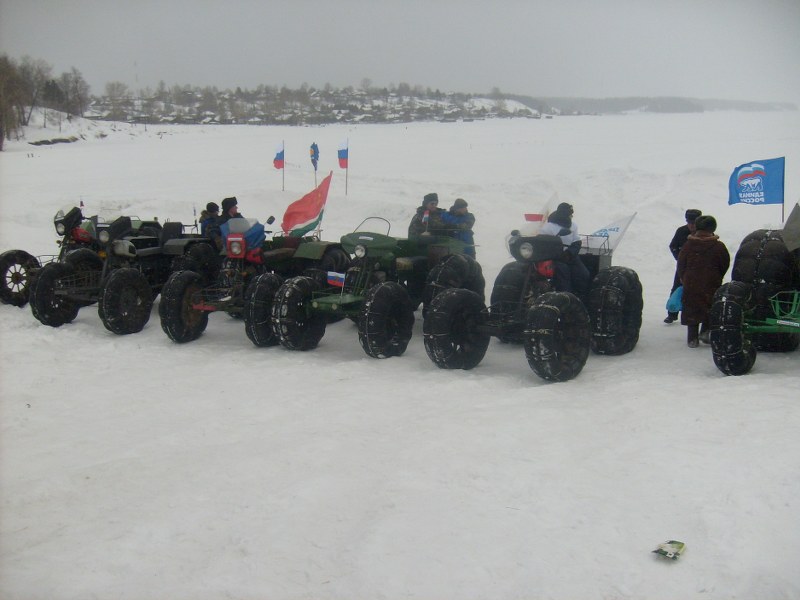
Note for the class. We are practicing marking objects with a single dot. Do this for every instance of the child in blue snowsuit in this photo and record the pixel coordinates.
(458, 222)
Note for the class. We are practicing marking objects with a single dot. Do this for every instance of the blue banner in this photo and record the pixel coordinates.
(757, 182)
(314, 152)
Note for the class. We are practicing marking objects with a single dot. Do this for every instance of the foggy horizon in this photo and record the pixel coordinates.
(710, 50)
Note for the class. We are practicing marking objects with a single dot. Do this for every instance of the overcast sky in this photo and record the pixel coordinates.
(727, 49)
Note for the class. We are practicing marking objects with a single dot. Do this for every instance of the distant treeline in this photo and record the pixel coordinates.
(663, 104)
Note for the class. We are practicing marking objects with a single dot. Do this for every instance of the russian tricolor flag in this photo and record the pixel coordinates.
(343, 154)
(278, 160)
(335, 279)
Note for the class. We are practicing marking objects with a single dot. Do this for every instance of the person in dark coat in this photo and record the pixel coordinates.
(428, 218)
(208, 216)
(702, 263)
(230, 210)
(571, 274)
(678, 240)
(459, 222)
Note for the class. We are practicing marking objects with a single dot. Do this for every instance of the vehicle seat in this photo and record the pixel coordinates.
(170, 231)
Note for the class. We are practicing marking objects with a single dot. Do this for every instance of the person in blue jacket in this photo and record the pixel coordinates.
(458, 221)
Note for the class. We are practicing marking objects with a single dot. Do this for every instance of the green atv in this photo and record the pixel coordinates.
(132, 262)
(388, 279)
(759, 309)
(186, 302)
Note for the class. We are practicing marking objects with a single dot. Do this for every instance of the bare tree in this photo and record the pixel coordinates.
(35, 74)
(76, 92)
(118, 96)
(12, 97)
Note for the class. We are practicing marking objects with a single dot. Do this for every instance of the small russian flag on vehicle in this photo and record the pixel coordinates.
(336, 279)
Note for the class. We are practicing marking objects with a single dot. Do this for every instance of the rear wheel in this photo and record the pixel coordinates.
(615, 309)
(205, 260)
(733, 352)
(293, 323)
(557, 338)
(335, 259)
(453, 271)
(386, 320)
(15, 276)
(452, 340)
(258, 309)
(179, 320)
(46, 305)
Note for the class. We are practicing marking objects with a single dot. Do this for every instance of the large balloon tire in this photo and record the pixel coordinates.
(557, 336)
(451, 338)
(335, 259)
(206, 260)
(733, 352)
(615, 310)
(180, 321)
(49, 308)
(764, 262)
(125, 302)
(258, 300)
(386, 320)
(84, 260)
(292, 322)
(15, 276)
(453, 271)
(506, 298)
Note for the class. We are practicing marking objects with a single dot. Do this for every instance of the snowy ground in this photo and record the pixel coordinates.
(133, 467)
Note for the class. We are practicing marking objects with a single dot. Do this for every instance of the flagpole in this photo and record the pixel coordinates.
(347, 170)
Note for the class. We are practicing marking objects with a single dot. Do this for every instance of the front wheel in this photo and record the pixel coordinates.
(615, 309)
(733, 352)
(557, 338)
(386, 320)
(47, 305)
(293, 323)
(451, 337)
(16, 267)
(179, 319)
(258, 301)
(125, 302)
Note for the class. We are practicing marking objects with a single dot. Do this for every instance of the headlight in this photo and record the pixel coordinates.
(526, 250)
(236, 248)
(360, 251)
(60, 229)
(103, 236)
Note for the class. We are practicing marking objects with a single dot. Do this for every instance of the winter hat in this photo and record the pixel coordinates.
(460, 203)
(706, 223)
(692, 214)
(212, 207)
(229, 203)
(432, 197)
(565, 209)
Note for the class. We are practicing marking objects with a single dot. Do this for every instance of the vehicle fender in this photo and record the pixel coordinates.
(314, 250)
(177, 246)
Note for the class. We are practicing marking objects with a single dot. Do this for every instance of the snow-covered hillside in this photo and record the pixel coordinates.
(134, 467)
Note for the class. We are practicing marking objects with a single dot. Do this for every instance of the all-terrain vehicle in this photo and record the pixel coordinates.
(759, 309)
(380, 291)
(186, 303)
(18, 267)
(132, 262)
(557, 328)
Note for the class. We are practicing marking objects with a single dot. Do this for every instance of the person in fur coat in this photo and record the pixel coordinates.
(702, 263)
